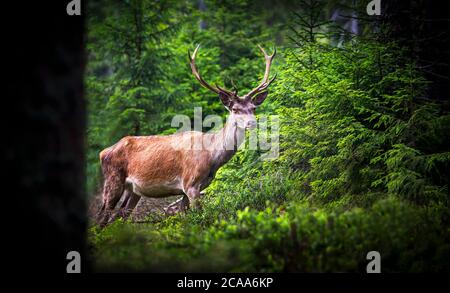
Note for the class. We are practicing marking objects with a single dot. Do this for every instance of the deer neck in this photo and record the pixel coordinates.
(227, 141)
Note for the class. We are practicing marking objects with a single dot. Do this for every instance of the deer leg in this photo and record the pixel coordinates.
(126, 197)
(194, 195)
(112, 191)
(128, 205)
(178, 206)
(132, 203)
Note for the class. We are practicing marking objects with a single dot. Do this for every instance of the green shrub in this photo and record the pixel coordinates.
(295, 239)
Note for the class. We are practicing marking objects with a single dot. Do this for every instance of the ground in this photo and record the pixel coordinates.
(148, 209)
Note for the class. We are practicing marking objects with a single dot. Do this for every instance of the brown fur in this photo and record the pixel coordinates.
(147, 166)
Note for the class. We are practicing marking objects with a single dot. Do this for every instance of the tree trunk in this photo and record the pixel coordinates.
(45, 138)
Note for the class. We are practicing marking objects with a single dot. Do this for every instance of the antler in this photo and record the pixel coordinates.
(265, 82)
(197, 75)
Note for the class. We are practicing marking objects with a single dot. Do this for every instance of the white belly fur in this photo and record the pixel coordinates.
(160, 189)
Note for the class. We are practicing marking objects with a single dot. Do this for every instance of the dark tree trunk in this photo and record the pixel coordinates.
(423, 27)
(45, 125)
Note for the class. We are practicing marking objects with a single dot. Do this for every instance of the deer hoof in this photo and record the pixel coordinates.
(172, 210)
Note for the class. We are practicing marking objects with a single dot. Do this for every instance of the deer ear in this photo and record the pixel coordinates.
(227, 101)
(259, 99)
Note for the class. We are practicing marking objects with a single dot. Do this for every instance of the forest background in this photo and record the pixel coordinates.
(363, 104)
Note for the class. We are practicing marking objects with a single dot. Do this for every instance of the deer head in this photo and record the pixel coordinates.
(241, 108)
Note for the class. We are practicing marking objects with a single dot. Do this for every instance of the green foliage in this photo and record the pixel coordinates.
(296, 239)
(353, 135)
(302, 239)
(364, 156)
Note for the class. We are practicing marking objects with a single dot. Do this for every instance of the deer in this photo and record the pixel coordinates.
(159, 166)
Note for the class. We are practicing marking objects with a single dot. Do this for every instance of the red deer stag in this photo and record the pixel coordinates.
(162, 166)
